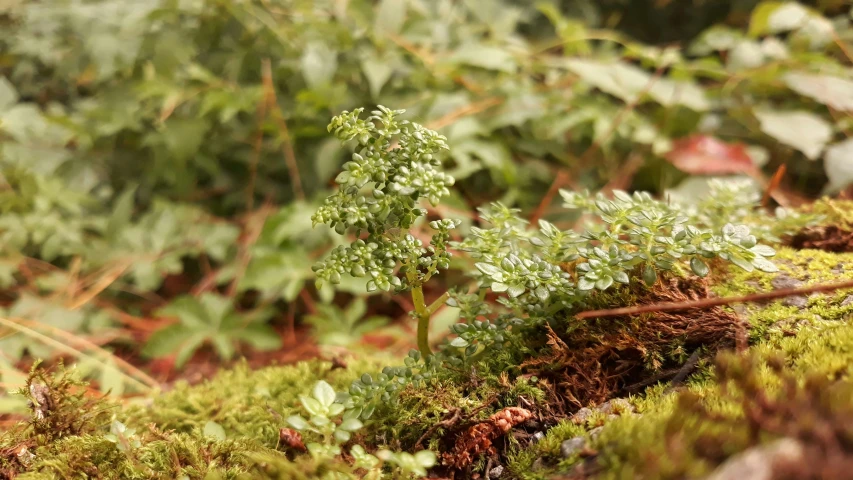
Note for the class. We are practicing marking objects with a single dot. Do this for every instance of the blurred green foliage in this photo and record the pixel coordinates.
(150, 150)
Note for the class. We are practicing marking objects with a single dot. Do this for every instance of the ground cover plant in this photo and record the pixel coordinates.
(175, 203)
(639, 251)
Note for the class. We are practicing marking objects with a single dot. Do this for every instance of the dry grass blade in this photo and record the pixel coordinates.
(132, 374)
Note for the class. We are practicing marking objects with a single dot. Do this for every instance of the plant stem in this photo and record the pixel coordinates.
(423, 315)
(434, 306)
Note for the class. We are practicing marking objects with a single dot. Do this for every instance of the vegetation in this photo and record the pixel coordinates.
(172, 205)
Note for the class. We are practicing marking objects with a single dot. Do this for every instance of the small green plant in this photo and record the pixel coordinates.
(396, 164)
(333, 418)
(541, 272)
(210, 318)
(343, 327)
(323, 407)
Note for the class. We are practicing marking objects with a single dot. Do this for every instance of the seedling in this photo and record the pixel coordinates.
(395, 166)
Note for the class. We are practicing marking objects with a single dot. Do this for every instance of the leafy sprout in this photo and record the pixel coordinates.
(395, 166)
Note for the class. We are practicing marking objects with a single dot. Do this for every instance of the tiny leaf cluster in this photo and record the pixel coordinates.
(333, 417)
(395, 165)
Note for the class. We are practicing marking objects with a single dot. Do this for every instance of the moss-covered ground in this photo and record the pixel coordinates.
(229, 426)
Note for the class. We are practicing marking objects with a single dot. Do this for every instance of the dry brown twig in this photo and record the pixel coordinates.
(713, 302)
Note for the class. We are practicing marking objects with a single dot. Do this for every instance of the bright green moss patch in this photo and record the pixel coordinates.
(247, 404)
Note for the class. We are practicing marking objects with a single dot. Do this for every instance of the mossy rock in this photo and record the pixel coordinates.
(229, 426)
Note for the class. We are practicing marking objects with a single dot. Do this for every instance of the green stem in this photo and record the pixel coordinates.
(434, 306)
(423, 315)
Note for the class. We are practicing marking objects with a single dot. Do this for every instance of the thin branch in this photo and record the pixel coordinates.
(257, 145)
(713, 302)
(254, 227)
(287, 143)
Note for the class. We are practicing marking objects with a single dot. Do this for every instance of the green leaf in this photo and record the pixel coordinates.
(298, 422)
(764, 265)
(627, 82)
(350, 425)
(314, 407)
(484, 56)
(184, 136)
(604, 283)
(188, 348)
(650, 275)
(390, 16)
(516, 290)
(771, 17)
(699, 267)
(426, 458)
(324, 393)
(215, 430)
(319, 64)
(800, 129)
(763, 250)
(8, 95)
(835, 92)
(488, 269)
(586, 284)
(260, 337)
(838, 164)
(741, 262)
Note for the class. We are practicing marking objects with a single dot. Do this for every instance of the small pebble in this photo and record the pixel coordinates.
(496, 472)
(572, 446)
(581, 416)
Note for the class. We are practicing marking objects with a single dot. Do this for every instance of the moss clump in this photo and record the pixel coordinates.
(690, 434)
(246, 403)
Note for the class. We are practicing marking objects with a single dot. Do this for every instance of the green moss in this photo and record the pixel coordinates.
(251, 404)
(637, 446)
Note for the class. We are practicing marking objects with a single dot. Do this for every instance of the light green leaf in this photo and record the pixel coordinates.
(626, 82)
(376, 70)
(324, 393)
(390, 16)
(838, 163)
(459, 342)
(215, 430)
(184, 136)
(799, 129)
(484, 56)
(835, 92)
(426, 458)
(774, 17)
(585, 284)
(604, 283)
(488, 268)
(313, 406)
(499, 287)
(319, 64)
(516, 290)
(764, 265)
(297, 422)
(8, 94)
(350, 425)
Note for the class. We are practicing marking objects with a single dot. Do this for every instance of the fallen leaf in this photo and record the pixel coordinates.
(706, 155)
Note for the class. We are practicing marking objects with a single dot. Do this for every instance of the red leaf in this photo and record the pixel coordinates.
(705, 155)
